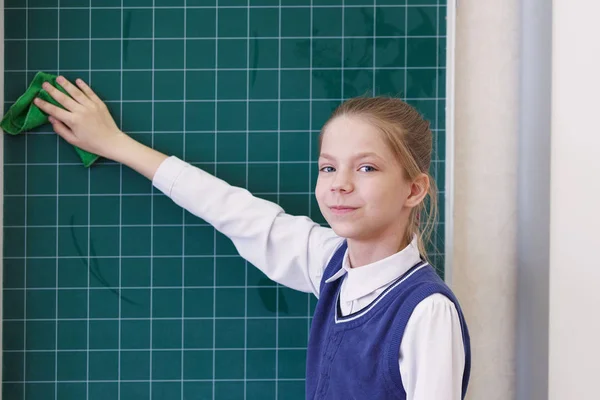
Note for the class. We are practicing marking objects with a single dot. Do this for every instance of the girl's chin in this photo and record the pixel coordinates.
(347, 230)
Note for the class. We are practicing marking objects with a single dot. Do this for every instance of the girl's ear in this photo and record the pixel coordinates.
(418, 190)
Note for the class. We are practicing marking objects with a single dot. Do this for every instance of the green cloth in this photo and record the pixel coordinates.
(23, 115)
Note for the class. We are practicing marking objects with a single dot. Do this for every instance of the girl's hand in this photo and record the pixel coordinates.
(85, 122)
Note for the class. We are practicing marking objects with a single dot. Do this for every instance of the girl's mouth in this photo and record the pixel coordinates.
(341, 210)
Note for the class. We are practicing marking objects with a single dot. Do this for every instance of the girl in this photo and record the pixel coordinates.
(385, 326)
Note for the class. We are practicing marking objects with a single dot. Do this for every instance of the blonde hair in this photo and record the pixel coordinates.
(409, 137)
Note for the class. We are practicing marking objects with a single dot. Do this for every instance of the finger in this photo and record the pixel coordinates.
(59, 96)
(52, 110)
(88, 91)
(73, 90)
(62, 130)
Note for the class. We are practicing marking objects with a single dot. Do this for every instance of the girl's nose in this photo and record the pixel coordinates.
(342, 183)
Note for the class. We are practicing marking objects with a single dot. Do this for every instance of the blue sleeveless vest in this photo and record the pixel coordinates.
(356, 356)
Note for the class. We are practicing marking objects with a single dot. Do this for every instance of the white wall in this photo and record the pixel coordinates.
(575, 202)
(484, 266)
(525, 224)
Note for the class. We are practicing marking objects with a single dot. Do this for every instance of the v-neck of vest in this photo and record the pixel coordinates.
(357, 317)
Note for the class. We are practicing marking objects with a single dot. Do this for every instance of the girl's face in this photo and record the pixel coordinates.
(361, 189)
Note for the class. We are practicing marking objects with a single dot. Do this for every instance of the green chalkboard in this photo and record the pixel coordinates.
(111, 291)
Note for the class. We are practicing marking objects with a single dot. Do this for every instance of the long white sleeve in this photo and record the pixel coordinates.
(432, 356)
(291, 250)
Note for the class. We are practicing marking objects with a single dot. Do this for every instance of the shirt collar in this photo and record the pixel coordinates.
(364, 280)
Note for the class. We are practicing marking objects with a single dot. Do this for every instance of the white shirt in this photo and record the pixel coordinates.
(294, 251)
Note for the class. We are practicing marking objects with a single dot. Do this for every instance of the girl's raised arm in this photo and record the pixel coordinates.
(289, 249)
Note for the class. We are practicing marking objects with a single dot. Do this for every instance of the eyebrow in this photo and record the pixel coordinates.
(358, 156)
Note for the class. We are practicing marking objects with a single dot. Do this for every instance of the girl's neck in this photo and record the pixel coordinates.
(367, 252)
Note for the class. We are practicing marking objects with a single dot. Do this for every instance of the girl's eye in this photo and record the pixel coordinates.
(367, 168)
(327, 169)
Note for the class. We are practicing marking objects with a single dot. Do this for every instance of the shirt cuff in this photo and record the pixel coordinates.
(167, 173)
